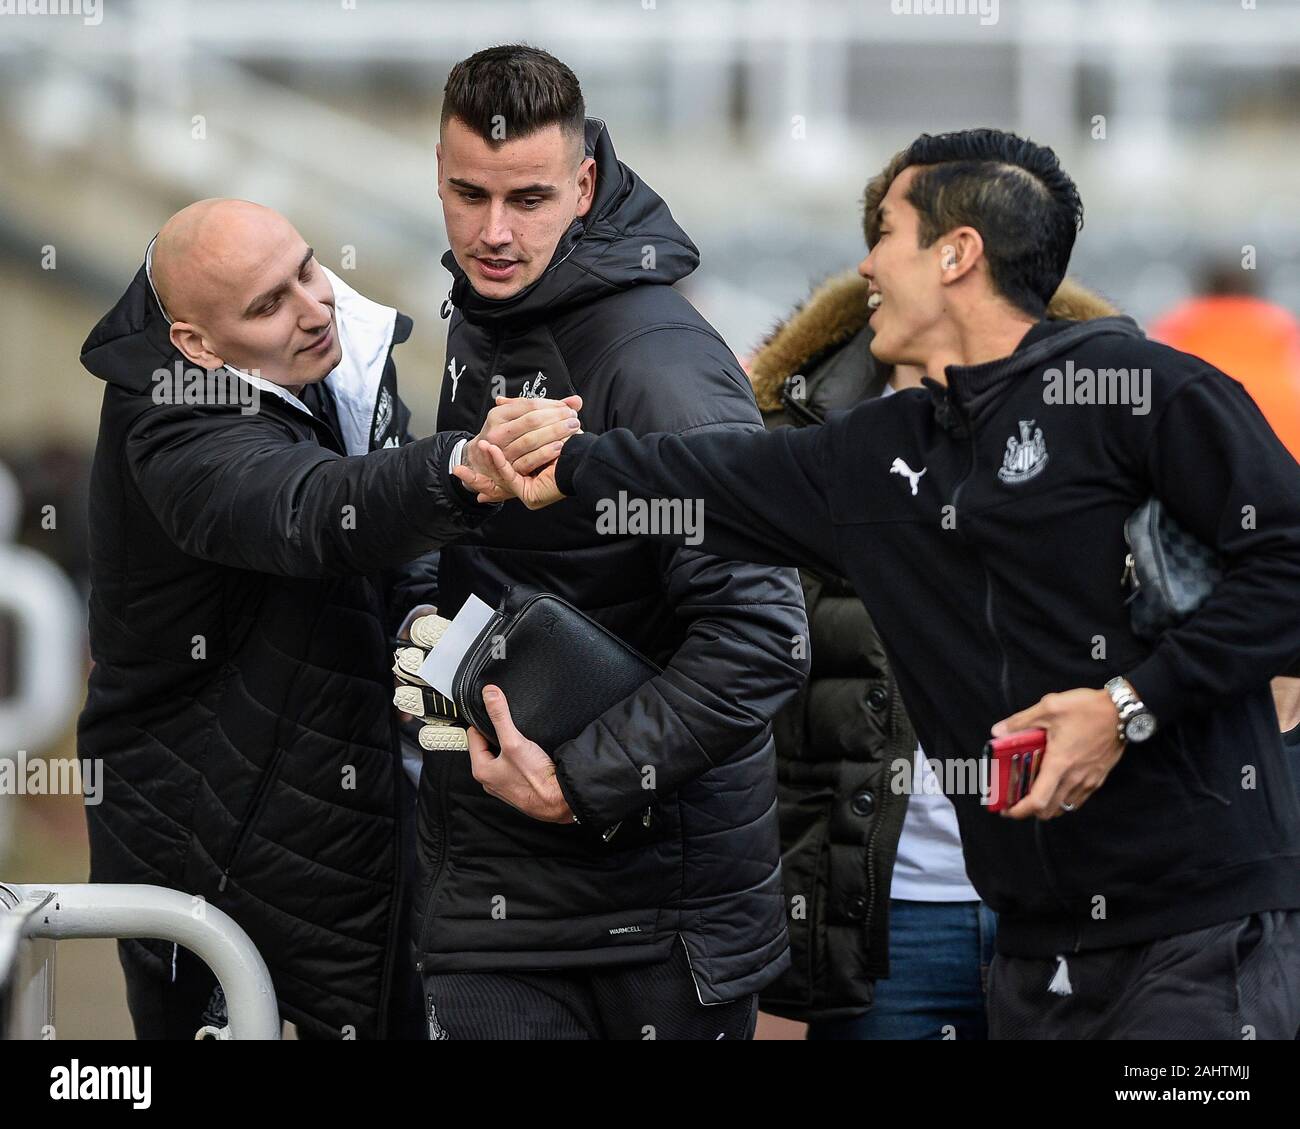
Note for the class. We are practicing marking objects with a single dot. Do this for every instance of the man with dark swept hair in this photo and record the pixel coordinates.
(1026, 208)
(524, 86)
(626, 884)
(1148, 886)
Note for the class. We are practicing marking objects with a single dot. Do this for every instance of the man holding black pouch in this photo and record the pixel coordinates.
(658, 912)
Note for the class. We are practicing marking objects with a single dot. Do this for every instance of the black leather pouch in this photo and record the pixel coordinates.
(559, 669)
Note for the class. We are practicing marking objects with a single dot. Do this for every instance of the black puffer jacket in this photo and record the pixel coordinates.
(687, 763)
(841, 743)
(241, 695)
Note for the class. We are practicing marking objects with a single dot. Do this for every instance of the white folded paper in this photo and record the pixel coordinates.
(439, 668)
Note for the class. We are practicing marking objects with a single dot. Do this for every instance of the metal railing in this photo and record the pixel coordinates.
(32, 914)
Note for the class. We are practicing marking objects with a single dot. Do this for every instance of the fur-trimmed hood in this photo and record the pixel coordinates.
(837, 310)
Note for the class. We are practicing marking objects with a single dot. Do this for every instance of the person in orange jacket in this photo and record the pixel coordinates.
(1253, 341)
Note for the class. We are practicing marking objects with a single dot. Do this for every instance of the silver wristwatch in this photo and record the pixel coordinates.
(1136, 722)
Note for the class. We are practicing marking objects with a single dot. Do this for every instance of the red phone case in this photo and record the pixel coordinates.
(1016, 760)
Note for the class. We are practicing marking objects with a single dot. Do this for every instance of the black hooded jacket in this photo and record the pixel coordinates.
(845, 745)
(992, 570)
(686, 765)
(241, 695)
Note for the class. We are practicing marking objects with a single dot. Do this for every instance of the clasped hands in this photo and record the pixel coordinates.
(514, 455)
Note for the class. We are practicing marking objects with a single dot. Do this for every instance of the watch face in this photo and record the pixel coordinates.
(1140, 726)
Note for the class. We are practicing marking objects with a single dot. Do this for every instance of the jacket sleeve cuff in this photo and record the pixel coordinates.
(455, 489)
(595, 784)
(1159, 688)
(457, 450)
(581, 812)
(570, 459)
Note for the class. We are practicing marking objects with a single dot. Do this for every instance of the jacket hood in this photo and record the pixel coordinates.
(131, 342)
(1045, 340)
(837, 310)
(603, 252)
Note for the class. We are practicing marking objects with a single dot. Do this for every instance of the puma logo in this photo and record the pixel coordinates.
(913, 476)
(455, 376)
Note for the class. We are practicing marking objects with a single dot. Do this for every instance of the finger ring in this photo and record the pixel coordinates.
(1066, 805)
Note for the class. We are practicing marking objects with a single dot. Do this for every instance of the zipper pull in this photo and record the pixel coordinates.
(1129, 575)
(645, 817)
(610, 832)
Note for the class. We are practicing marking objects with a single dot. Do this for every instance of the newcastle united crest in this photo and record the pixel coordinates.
(1025, 457)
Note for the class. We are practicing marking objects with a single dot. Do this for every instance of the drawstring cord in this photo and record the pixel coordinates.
(1060, 984)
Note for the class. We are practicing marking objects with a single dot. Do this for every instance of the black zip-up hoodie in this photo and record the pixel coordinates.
(995, 578)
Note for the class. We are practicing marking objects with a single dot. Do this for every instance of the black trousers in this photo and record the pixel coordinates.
(1236, 980)
(171, 993)
(647, 1001)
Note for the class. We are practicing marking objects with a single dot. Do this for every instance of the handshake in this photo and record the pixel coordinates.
(514, 455)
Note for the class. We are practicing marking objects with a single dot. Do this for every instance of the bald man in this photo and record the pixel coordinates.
(255, 501)
(224, 274)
